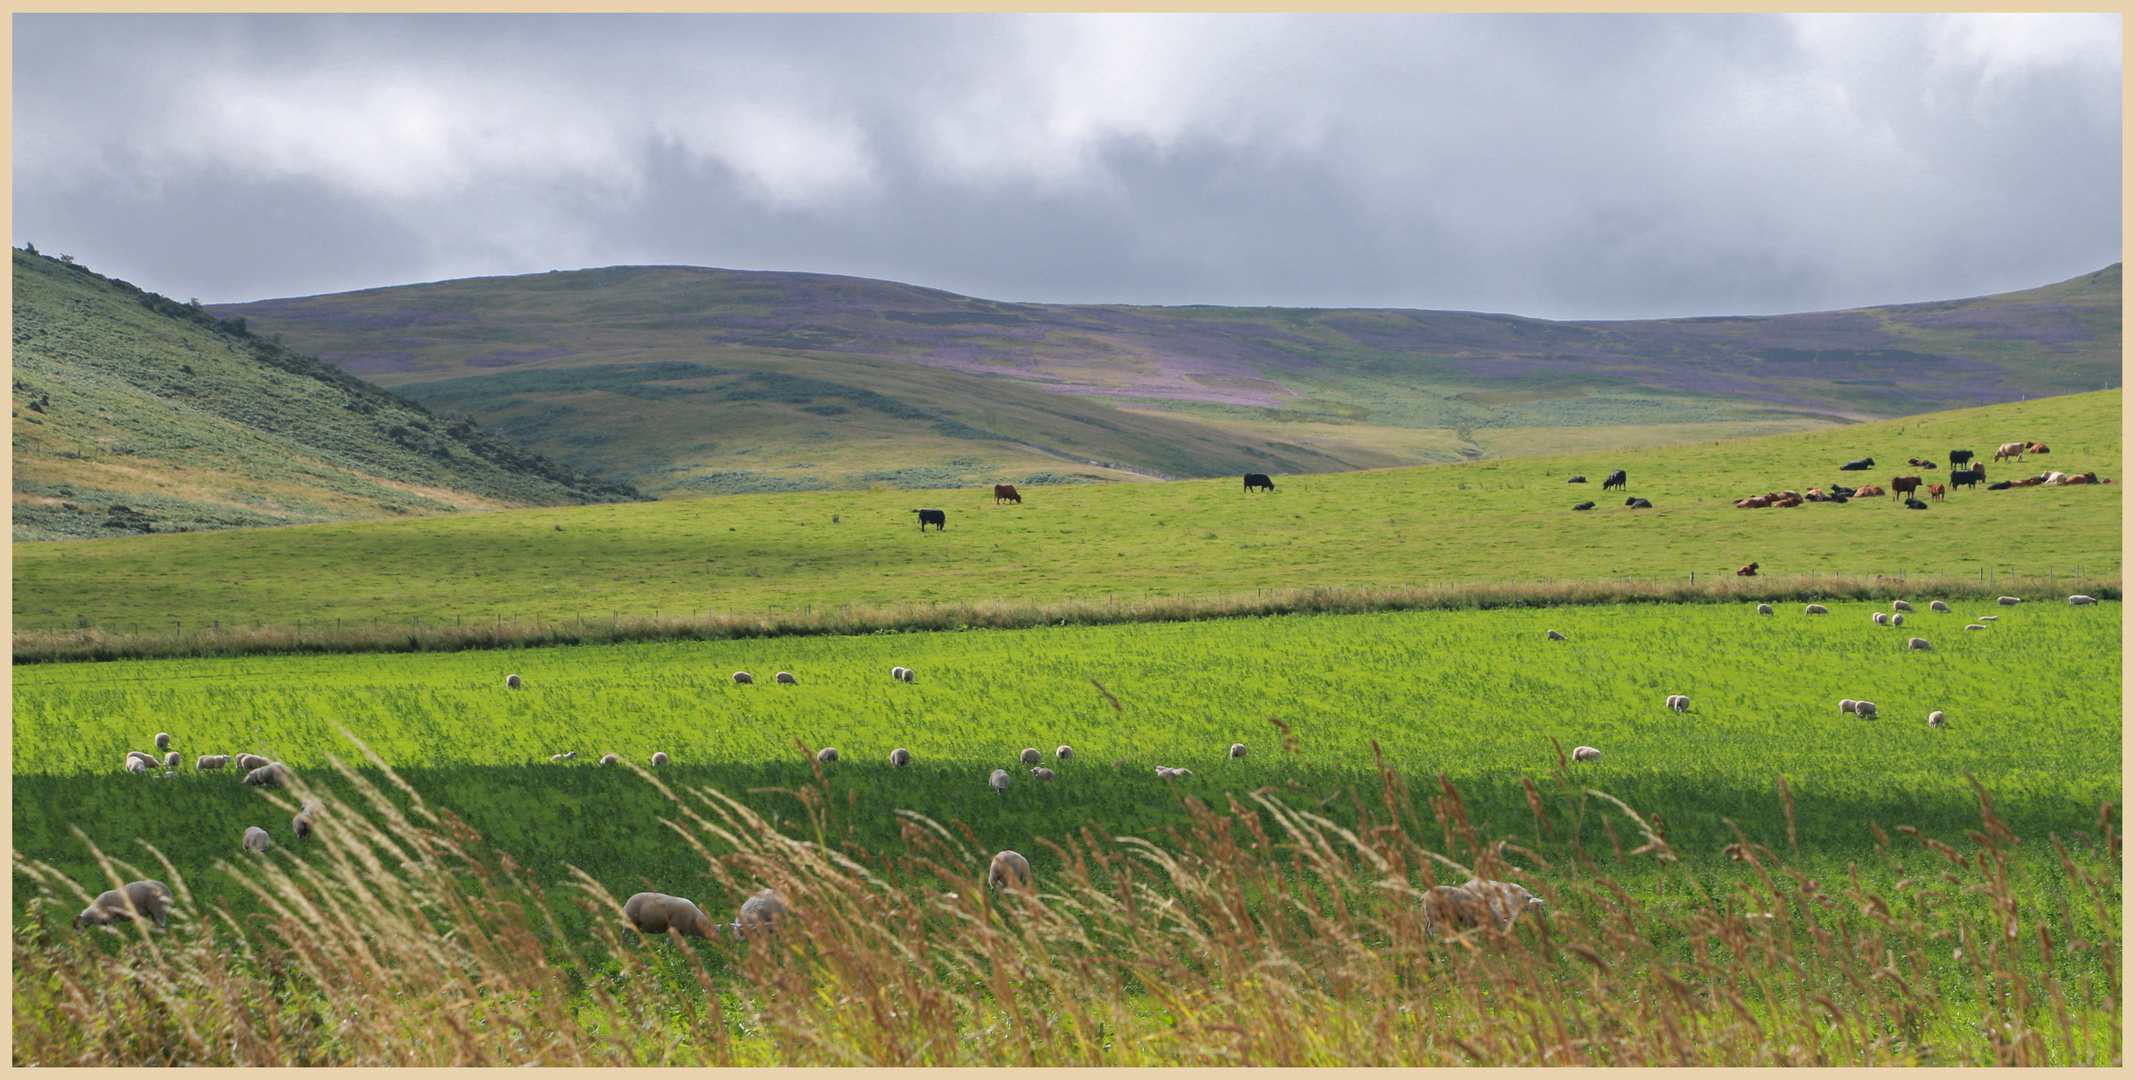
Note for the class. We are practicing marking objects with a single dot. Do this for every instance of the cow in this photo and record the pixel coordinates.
(1638, 504)
(1616, 479)
(1862, 465)
(1914, 504)
(1576, 480)
(1842, 492)
(1903, 485)
(1754, 502)
(1584, 506)
(935, 518)
(1747, 571)
(1934, 493)
(2039, 448)
(1255, 480)
(1967, 477)
(2003, 486)
(2011, 450)
(1008, 492)
(1788, 501)
(1959, 457)
(1869, 492)
(1921, 463)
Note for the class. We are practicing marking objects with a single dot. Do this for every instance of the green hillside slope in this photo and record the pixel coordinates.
(134, 413)
(1484, 521)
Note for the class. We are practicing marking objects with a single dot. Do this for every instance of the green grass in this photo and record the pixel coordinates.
(1504, 521)
(1477, 696)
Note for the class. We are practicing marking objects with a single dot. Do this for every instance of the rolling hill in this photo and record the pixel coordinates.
(684, 380)
(134, 413)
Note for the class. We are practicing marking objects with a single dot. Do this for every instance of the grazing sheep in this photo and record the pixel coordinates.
(897, 673)
(1897, 620)
(1764, 609)
(1064, 752)
(144, 756)
(1679, 702)
(1555, 636)
(900, 757)
(785, 678)
(563, 757)
(1042, 773)
(1008, 870)
(1845, 705)
(302, 823)
(1182, 774)
(1864, 709)
(249, 762)
(211, 761)
(1975, 626)
(743, 678)
(1816, 609)
(256, 840)
(1031, 756)
(1934, 719)
(827, 755)
(1938, 606)
(1450, 907)
(1916, 643)
(1990, 618)
(1505, 900)
(137, 765)
(1237, 749)
(610, 759)
(269, 775)
(659, 758)
(657, 913)
(171, 760)
(1585, 753)
(998, 781)
(1900, 605)
(909, 674)
(150, 898)
(2008, 601)
(760, 913)
(1878, 618)
(2079, 600)
(163, 740)
(511, 682)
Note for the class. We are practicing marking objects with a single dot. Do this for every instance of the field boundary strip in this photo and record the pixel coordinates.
(95, 643)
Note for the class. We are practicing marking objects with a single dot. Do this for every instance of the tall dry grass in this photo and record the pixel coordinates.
(95, 643)
(1264, 933)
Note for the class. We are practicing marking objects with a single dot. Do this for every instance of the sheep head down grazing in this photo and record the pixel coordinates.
(1009, 870)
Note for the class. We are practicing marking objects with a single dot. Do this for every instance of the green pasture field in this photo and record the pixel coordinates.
(1505, 520)
(2034, 710)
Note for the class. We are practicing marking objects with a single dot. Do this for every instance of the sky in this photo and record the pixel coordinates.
(1558, 166)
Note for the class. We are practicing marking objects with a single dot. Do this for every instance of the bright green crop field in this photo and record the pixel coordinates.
(2034, 709)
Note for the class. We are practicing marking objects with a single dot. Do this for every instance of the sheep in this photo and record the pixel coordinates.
(659, 758)
(256, 840)
(1679, 702)
(900, 757)
(163, 740)
(145, 756)
(1934, 719)
(1878, 618)
(1990, 618)
(1938, 606)
(511, 682)
(2008, 601)
(1031, 756)
(785, 678)
(1900, 605)
(760, 913)
(1816, 609)
(137, 766)
(211, 761)
(1975, 626)
(150, 898)
(908, 673)
(1764, 609)
(826, 755)
(1897, 620)
(897, 673)
(563, 757)
(1555, 636)
(2079, 600)
(249, 762)
(1864, 709)
(171, 760)
(657, 913)
(1448, 906)
(1585, 753)
(1182, 774)
(610, 759)
(270, 775)
(1504, 899)
(1237, 750)
(302, 824)
(1916, 643)
(1008, 870)
(743, 678)
(1064, 752)
(1845, 705)
(1042, 773)
(998, 781)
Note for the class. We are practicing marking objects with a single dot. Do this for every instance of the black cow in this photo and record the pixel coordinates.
(1616, 479)
(935, 518)
(1915, 504)
(2003, 486)
(1857, 466)
(1959, 457)
(1840, 499)
(1584, 506)
(1638, 504)
(1258, 480)
(1967, 477)
(1576, 480)
(1845, 492)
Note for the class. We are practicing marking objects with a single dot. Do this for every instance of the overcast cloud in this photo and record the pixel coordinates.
(1558, 166)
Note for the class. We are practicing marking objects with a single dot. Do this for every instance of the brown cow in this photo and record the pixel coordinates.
(1934, 493)
(1920, 464)
(1868, 492)
(2039, 448)
(1754, 502)
(1790, 501)
(1008, 492)
(1903, 485)
(1747, 571)
(2013, 450)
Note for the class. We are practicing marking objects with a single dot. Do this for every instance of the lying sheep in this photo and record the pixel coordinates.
(171, 760)
(998, 781)
(659, 758)
(256, 840)
(657, 913)
(1504, 899)
(1975, 626)
(145, 757)
(610, 759)
(1237, 750)
(1064, 752)
(827, 755)
(1555, 636)
(1916, 643)
(1864, 709)
(563, 757)
(163, 740)
(1900, 605)
(1816, 609)
(211, 761)
(1990, 618)
(761, 913)
(1878, 618)
(150, 898)
(1764, 609)
(1934, 719)
(1042, 773)
(269, 775)
(1008, 870)
(1031, 756)
(743, 678)
(249, 762)
(2008, 601)
(1845, 705)
(1938, 606)
(900, 757)
(1585, 753)
(511, 682)
(785, 678)
(2079, 600)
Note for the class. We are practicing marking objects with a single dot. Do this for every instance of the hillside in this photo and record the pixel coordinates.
(134, 414)
(1507, 521)
(915, 387)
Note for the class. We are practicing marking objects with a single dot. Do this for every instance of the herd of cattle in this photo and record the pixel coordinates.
(1964, 472)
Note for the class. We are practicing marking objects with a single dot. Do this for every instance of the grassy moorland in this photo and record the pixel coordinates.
(1498, 521)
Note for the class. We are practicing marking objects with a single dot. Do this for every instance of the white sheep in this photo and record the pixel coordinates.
(171, 760)
(1845, 705)
(1864, 709)
(1237, 750)
(144, 756)
(1555, 636)
(1679, 702)
(998, 781)
(900, 757)
(256, 840)
(1031, 756)
(1585, 753)
(1816, 609)
(1042, 773)
(2008, 601)
(897, 673)
(1008, 870)
(1938, 606)
(2079, 600)
(1990, 618)
(1878, 618)
(908, 674)
(563, 757)
(150, 898)
(249, 762)
(827, 754)
(1934, 719)
(785, 678)
(1900, 605)
(163, 740)
(137, 766)
(657, 913)
(269, 775)
(610, 759)
(1975, 626)
(210, 761)
(1916, 643)
(1064, 752)
(659, 758)
(302, 824)
(511, 682)
(1764, 609)
(1505, 900)
(1182, 774)
(743, 678)
(760, 913)
(1897, 620)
